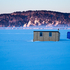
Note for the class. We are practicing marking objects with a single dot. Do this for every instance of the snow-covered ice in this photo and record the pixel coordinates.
(19, 52)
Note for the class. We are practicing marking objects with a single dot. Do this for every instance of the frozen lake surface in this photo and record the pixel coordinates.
(19, 52)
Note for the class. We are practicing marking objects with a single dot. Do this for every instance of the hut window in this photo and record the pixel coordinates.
(41, 33)
(50, 34)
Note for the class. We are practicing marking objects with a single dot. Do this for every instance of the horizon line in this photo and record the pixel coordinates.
(35, 10)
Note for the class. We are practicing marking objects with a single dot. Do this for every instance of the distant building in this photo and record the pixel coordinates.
(68, 35)
(46, 36)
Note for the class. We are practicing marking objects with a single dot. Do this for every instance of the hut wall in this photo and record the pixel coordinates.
(46, 36)
(57, 36)
(52, 38)
(35, 36)
(40, 38)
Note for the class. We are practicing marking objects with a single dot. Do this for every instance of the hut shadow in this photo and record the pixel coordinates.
(64, 39)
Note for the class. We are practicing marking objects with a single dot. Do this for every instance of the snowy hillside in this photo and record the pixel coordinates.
(35, 18)
(19, 52)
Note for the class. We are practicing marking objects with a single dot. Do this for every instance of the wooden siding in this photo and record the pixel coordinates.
(52, 38)
(55, 36)
(46, 36)
(35, 36)
(40, 38)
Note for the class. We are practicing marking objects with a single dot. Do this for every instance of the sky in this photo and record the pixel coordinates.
(9, 6)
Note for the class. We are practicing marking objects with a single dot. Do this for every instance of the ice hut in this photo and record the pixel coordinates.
(68, 35)
(46, 36)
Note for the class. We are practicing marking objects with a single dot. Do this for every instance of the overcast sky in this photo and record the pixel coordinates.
(9, 6)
